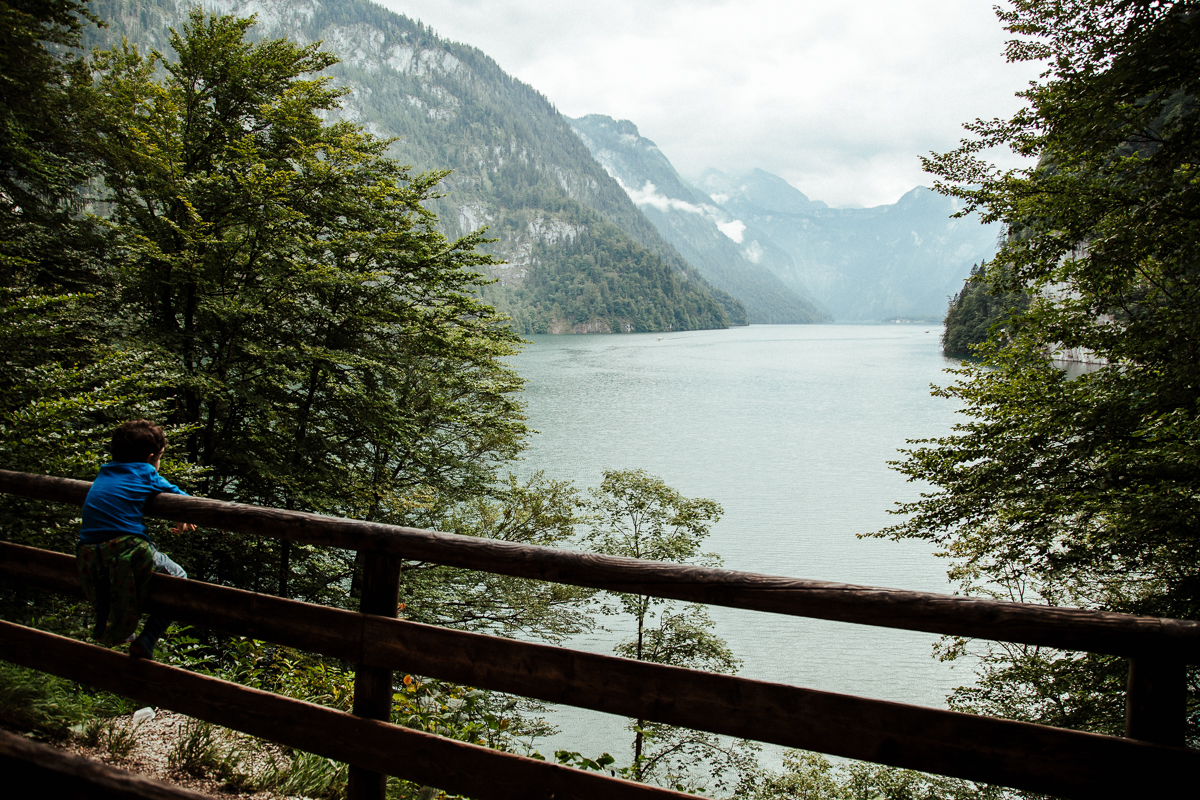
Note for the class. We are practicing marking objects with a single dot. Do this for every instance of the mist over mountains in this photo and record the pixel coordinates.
(712, 241)
(598, 231)
(786, 256)
(894, 261)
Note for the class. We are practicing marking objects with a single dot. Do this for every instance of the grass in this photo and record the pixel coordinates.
(51, 707)
(204, 750)
(306, 775)
(34, 701)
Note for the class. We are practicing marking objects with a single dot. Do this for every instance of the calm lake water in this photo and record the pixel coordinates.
(790, 428)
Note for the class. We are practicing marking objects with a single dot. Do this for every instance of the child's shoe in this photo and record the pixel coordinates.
(141, 647)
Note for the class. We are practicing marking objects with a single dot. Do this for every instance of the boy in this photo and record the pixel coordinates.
(115, 554)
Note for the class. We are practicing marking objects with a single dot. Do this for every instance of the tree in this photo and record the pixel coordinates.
(809, 776)
(328, 351)
(1081, 491)
(539, 511)
(637, 515)
(62, 382)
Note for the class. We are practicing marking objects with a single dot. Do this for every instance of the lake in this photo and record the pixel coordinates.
(789, 428)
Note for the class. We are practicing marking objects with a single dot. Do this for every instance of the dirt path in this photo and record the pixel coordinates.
(152, 743)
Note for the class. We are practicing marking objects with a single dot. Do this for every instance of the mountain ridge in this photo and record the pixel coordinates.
(899, 260)
(702, 233)
(518, 168)
(790, 258)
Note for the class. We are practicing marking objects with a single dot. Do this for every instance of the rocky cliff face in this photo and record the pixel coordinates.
(896, 261)
(742, 261)
(518, 168)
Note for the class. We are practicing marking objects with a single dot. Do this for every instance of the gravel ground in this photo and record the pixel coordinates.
(154, 741)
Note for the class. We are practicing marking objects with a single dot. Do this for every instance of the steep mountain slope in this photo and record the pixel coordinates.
(725, 252)
(517, 166)
(895, 261)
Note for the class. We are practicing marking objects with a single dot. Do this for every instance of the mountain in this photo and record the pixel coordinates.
(580, 255)
(742, 261)
(894, 261)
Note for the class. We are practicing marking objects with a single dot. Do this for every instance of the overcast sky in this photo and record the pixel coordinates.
(839, 98)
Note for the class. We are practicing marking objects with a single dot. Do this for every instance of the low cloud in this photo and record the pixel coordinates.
(649, 195)
(839, 99)
(733, 230)
(753, 253)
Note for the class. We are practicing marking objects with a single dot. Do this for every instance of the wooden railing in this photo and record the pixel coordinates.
(1021, 755)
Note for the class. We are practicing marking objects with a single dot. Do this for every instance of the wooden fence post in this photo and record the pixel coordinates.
(1156, 700)
(373, 685)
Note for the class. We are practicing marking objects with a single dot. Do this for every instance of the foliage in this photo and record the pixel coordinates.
(518, 167)
(974, 311)
(1081, 492)
(808, 776)
(306, 775)
(119, 739)
(539, 511)
(246, 764)
(603, 281)
(197, 751)
(637, 515)
(43, 96)
(326, 349)
(459, 712)
(51, 706)
(32, 701)
(62, 383)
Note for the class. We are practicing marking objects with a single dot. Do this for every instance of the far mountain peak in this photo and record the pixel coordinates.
(901, 260)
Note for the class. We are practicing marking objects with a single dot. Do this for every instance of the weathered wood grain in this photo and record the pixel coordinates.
(373, 684)
(1023, 623)
(1021, 755)
(47, 772)
(422, 757)
(1156, 701)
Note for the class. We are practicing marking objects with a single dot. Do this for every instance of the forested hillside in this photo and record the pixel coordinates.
(517, 167)
(973, 312)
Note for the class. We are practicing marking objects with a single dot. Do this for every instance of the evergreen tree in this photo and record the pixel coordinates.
(974, 310)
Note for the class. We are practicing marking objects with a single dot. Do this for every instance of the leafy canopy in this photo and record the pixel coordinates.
(636, 515)
(1080, 491)
(328, 353)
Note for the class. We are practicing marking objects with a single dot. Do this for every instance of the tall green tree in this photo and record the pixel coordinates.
(637, 515)
(809, 776)
(329, 351)
(63, 382)
(1087, 491)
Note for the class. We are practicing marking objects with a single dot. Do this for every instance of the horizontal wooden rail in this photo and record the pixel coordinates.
(49, 772)
(1022, 623)
(1021, 755)
(456, 767)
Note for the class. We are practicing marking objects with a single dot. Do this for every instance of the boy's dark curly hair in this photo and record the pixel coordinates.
(136, 440)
